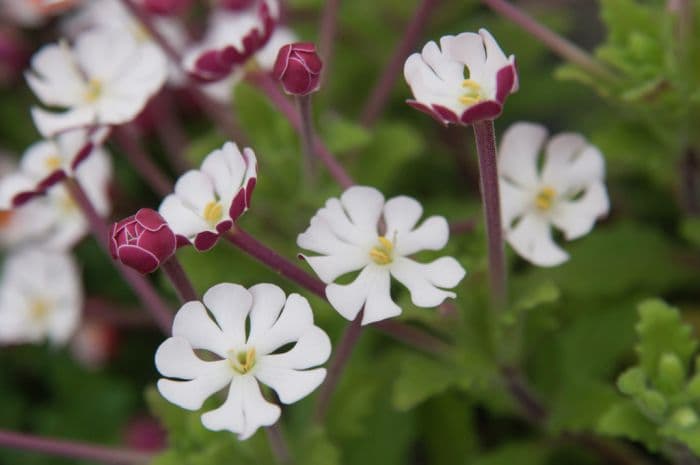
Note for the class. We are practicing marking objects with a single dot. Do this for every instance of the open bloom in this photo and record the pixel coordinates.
(106, 78)
(208, 201)
(347, 234)
(441, 88)
(233, 37)
(40, 297)
(567, 193)
(247, 332)
(56, 221)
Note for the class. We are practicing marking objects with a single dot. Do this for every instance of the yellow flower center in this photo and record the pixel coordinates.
(5, 218)
(213, 211)
(472, 92)
(140, 33)
(545, 198)
(66, 204)
(382, 253)
(39, 309)
(93, 91)
(53, 162)
(242, 362)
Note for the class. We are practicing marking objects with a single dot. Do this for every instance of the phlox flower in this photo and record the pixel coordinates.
(248, 329)
(45, 211)
(568, 192)
(40, 297)
(207, 202)
(360, 231)
(232, 39)
(442, 89)
(113, 15)
(106, 78)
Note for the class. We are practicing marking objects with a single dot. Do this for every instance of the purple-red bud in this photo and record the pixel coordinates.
(298, 68)
(143, 241)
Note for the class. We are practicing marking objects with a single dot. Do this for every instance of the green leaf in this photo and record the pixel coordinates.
(624, 419)
(315, 448)
(520, 452)
(690, 229)
(661, 332)
(420, 378)
(342, 135)
(632, 382)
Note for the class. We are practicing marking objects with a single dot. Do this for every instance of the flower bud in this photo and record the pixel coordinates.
(298, 68)
(142, 241)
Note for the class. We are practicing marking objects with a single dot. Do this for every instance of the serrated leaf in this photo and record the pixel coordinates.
(661, 331)
(624, 419)
(632, 381)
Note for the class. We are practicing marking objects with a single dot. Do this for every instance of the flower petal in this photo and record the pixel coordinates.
(51, 123)
(312, 349)
(364, 206)
(244, 411)
(531, 238)
(401, 214)
(268, 301)
(182, 220)
(571, 163)
(290, 385)
(230, 304)
(371, 288)
(175, 358)
(193, 323)
(195, 190)
(190, 395)
(520, 148)
(425, 280)
(432, 234)
(577, 217)
(296, 318)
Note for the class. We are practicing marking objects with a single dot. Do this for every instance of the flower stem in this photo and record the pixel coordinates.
(488, 171)
(170, 132)
(462, 227)
(72, 449)
(127, 138)
(342, 354)
(411, 336)
(160, 312)
(177, 276)
(382, 89)
(328, 29)
(278, 445)
(270, 88)
(558, 44)
(223, 119)
(307, 135)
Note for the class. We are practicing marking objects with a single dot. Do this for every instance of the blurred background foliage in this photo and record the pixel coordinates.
(606, 341)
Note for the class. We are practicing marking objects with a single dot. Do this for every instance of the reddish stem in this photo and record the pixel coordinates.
(72, 449)
(177, 276)
(488, 171)
(400, 331)
(343, 350)
(382, 89)
(128, 139)
(326, 36)
(270, 88)
(558, 44)
(160, 312)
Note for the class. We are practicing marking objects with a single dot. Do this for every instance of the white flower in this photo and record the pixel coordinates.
(346, 234)
(112, 14)
(105, 79)
(232, 38)
(244, 359)
(441, 88)
(41, 209)
(208, 201)
(40, 297)
(33, 13)
(567, 193)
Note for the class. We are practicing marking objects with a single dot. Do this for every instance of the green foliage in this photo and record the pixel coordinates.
(661, 390)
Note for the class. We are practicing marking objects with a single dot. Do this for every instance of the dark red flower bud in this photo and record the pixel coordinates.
(298, 68)
(142, 241)
(165, 7)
